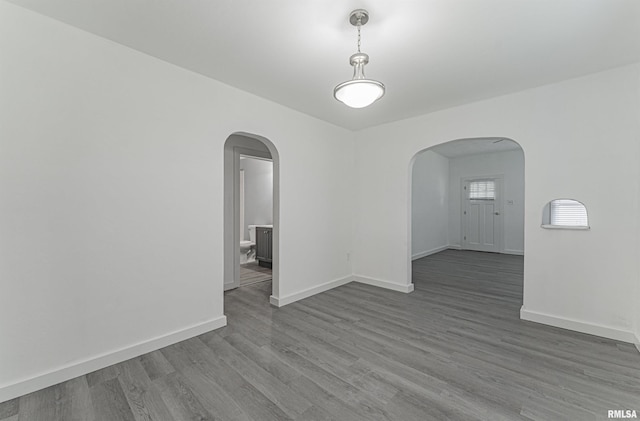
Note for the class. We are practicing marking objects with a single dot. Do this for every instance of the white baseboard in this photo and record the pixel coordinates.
(637, 341)
(428, 252)
(406, 288)
(305, 293)
(505, 251)
(82, 367)
(231, 285)
(578, 326)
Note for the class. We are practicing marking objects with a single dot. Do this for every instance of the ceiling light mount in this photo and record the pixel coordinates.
(359, 92)
(359, 17)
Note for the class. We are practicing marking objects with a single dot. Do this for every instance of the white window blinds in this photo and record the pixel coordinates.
(568, 212)
(482, 190)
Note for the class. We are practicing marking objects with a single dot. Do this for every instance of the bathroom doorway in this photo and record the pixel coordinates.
(251, 211)
(256, 219)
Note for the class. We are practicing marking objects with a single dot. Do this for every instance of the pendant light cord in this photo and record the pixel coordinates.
(359, 26)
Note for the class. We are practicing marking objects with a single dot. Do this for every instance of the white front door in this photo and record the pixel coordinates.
(481, 214)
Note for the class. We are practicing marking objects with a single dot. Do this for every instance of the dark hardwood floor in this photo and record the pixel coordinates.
(455, 349)
(251, 273)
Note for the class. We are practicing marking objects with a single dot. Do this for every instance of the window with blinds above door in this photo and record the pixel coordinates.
(482, 190)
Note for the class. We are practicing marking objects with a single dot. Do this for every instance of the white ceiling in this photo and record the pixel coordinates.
(431, 54)
(466, 147)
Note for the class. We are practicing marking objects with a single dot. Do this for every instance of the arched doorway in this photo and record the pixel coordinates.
(467, 195)
(247, 145)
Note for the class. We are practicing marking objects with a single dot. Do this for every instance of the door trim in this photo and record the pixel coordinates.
(237, 152)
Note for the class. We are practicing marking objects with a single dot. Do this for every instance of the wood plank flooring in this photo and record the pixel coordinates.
(251, 273)
(455, 349)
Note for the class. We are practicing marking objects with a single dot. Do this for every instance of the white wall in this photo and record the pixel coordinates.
(637, 330)
(511, 166)
(258, 193)
(637, 327)
(111, 210)
(581, 139)
(429, 204)
(637, 300)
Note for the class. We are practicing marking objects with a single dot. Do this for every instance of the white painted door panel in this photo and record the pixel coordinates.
(472, 234)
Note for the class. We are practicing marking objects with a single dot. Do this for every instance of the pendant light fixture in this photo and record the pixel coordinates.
(359, 92)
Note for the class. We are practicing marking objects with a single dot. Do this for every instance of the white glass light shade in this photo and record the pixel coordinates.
(359, 93)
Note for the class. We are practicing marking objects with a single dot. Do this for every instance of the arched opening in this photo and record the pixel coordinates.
(466, 204)
(237, 147)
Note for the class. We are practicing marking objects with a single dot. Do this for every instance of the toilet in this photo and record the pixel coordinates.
(248, 248)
